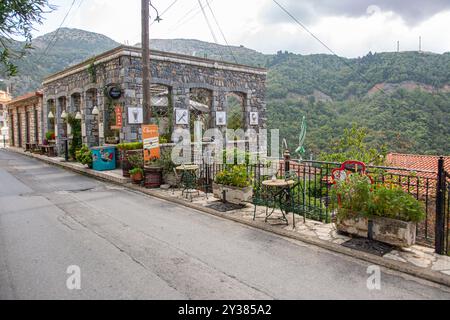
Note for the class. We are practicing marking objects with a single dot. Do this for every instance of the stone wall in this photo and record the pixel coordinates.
(22, 110)
(122, 67)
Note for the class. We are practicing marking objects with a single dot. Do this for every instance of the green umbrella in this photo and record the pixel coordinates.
(301, 149)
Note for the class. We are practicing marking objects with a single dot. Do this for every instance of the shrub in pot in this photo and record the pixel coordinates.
(393, 211)
(125, 150)
(167, 165)
(137, 175)
(84, 156)
(136, 172)
(233, 185)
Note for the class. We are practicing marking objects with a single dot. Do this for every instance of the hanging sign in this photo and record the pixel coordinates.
(150, 137)
(119, 118)
(114, 93)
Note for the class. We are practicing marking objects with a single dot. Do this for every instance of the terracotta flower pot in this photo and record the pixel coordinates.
(137, 178)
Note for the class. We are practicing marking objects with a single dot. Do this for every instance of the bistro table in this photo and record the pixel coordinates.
(188, 179)
(280, 191)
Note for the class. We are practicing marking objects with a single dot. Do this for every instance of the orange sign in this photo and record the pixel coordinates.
(119, 118)
(150, 137)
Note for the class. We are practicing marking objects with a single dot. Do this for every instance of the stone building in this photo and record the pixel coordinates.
(25, 120)
(4, 99)
(108, 87)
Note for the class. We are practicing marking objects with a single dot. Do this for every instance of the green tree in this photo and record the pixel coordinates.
(17, 20)
(353, 146)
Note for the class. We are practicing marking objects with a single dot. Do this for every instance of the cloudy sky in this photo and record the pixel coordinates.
(349, 27)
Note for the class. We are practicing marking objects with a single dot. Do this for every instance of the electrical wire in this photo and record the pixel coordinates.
(221, 32)
(210, 28)
(195, 10)
(323, 44)
(57, 30)
(167, 9)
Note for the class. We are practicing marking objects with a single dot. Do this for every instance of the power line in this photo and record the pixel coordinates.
(180, 21)
(167, 9)
(221, 32)
(210, 28)
(207, 21)
(57, 30)
(323, 44)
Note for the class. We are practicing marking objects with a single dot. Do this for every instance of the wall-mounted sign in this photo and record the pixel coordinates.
(150, 137)
(119, 118)
(221, 118)
(114, 93)
(254, 118)
(181, 116)
(135, 116)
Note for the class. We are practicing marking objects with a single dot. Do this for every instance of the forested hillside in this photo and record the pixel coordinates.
(402, 98)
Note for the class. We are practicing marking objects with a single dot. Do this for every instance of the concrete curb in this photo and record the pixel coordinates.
(403, 267)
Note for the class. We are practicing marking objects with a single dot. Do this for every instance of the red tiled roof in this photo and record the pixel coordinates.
(417, 162)
(25, 97)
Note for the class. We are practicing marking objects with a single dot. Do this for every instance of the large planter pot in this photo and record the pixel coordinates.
(231, 194)
(136, 178)
(125, 164)
(391, 231)
(153, 177)
(170, 179)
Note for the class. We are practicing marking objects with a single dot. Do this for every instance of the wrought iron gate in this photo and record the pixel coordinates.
(443, 210)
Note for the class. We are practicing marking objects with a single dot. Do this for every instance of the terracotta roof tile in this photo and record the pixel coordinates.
(417, 162)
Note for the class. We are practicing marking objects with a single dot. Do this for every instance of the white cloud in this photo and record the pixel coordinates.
(244, 22)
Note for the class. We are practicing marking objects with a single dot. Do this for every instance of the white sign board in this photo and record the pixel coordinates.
(221, 118)
(135, 116)
(182, 116)
(254, 118)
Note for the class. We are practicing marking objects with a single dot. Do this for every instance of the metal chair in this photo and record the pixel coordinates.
(292, 175)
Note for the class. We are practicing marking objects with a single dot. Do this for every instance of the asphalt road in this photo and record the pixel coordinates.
(131, 246)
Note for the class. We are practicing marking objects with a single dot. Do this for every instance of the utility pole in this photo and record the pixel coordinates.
(398, 46)
(146, 106)
(420, 44)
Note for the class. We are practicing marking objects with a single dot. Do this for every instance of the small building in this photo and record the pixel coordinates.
(5, 97)
(106, 94)
(25, 120)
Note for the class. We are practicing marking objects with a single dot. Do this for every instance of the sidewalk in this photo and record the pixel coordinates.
(418, 261)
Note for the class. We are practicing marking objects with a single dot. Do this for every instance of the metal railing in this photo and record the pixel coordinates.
(312, 195)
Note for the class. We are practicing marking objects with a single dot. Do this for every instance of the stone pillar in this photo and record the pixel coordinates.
(101, 117)
(59, 124)
(83, 117)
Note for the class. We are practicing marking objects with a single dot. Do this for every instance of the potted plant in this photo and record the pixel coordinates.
(153, 173)
(125, 150)
(136, 172)
(168, 167)
(50, 137)
(84, 156)
(385, 212)
(233, 185)
(137, 175)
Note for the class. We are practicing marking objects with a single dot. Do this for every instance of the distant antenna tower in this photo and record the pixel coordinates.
(398, 46)
(420, 44)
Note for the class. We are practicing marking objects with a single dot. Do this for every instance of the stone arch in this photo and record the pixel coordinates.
(202, 104)
(161, 95)
(235, 106)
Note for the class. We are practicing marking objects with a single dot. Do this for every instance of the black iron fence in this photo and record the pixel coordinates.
(442, 239)
(312, 195)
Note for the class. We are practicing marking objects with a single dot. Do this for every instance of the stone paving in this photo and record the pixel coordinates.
(417, 255)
